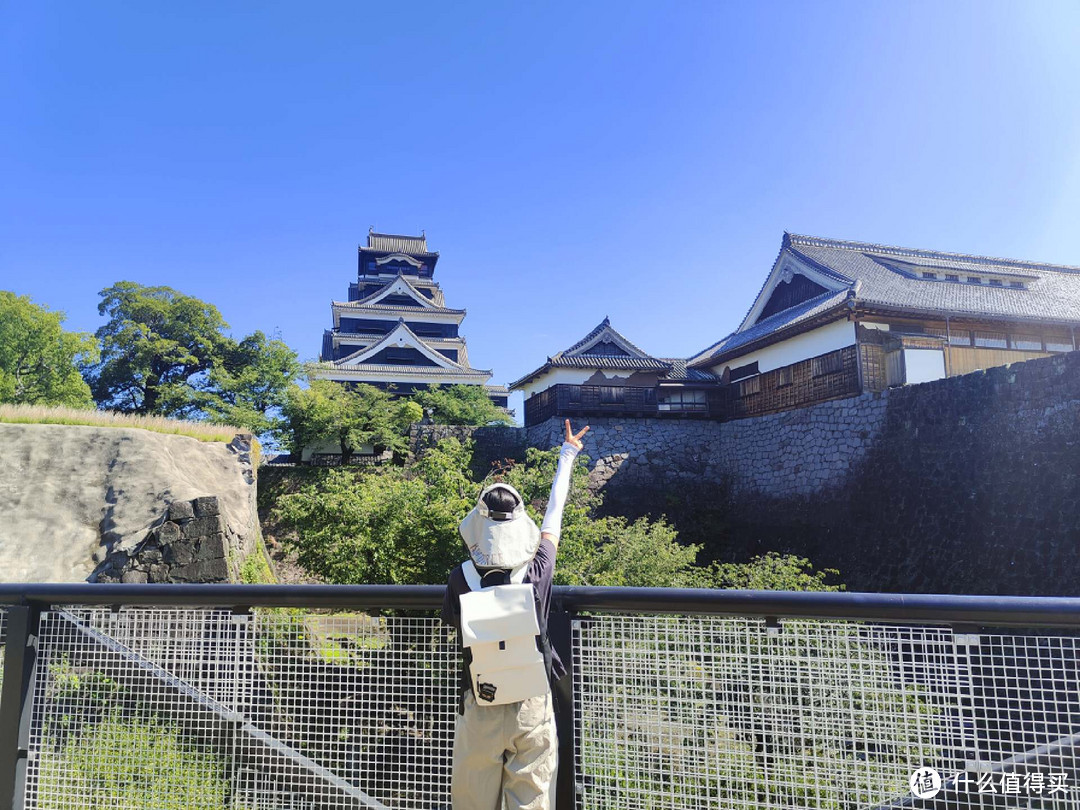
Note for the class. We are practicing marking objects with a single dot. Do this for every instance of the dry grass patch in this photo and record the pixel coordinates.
(47, 415)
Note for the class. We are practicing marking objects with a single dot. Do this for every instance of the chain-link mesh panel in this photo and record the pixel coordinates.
(167, 709)
(717, 712)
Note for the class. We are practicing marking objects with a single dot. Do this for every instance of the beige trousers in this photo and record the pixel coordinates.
(505, 757)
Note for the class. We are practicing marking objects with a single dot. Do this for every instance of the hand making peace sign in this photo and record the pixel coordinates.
(575, 438)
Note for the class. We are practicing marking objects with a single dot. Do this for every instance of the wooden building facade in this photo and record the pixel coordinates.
(833, 319)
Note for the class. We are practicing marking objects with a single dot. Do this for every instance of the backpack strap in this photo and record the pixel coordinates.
(475, 581)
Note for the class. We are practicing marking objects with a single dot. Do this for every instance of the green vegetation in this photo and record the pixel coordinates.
(39, 360)
(460, 405)
(167, 354)
(772, 572)
(329, 412)
(131, 762)
(107, 751)
(255, 569)
(42, 415)
(387, 525)
(399, 525)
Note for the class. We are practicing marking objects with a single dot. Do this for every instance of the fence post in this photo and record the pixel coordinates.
(20, 665)
(559, 632)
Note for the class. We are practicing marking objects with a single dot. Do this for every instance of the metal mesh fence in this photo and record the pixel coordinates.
(207, 709)
(716, 712)
(197, 708)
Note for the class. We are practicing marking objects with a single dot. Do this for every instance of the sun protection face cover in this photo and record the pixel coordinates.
(499, 539)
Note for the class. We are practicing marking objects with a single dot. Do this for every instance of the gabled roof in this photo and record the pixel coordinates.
(402, 335)
(395, 243)
(868, 276)
(603, 348)
(400, 285)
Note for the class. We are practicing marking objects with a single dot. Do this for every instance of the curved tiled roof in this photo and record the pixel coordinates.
(889, 278)
(423, 300)
(621, 362)
(681, 372)
(417, 341)
(433, 371)
(1050, 293)
(392, 308)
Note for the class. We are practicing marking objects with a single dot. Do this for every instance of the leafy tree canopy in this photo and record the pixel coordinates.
(399, 525)
(328, 411)
(250, 384)
(460, 405)
(387, 524)
(39, 360)
(168, 354)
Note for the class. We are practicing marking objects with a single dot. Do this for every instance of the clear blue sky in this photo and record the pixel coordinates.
(568, 160)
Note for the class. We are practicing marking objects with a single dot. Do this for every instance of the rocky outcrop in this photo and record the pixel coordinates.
(80, 502)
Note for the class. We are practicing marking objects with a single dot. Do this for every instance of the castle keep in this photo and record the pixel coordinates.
(395, 331)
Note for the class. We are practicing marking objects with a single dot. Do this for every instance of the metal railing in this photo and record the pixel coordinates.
(217, 696)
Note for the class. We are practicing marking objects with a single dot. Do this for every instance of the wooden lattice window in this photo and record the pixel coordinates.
(826, 364)
(785, 376)
(750, 386)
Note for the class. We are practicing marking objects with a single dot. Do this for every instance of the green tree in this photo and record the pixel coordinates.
(460, 405)
(249, 386)
(327, 411)
(39, 360)
(167, 353)
(607, 550)
(386, 525)
(155, 341)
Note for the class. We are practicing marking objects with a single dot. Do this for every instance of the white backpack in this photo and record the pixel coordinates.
(499, 627)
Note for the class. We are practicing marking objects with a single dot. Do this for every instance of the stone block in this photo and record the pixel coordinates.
(168, 533)
(133, 578)
(206, 506)
(211, 548)
(180, 511)
(159, 573)
(201, 571)
(179, 553)
(201, 527)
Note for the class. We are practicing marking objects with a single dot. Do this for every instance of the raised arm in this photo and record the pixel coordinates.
(551, 528)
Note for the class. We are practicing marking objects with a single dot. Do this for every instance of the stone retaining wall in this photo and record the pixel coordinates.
(189, 545)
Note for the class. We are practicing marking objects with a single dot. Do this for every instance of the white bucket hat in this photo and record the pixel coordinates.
(500, 539)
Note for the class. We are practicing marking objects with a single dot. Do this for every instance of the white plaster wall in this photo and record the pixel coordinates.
(828, 338)
(924, 365)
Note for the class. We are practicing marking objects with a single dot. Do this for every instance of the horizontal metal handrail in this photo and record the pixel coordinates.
(985, 610)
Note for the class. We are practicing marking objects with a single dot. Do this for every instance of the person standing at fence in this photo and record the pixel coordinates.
(505, 745)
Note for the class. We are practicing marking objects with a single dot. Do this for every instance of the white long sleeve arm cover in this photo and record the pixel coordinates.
(560, 488)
